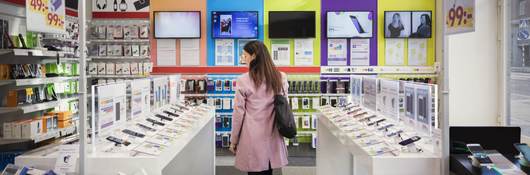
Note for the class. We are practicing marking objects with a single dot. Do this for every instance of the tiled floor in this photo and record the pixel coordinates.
(290, 170)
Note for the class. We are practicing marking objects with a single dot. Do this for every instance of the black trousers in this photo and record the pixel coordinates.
(266, 172)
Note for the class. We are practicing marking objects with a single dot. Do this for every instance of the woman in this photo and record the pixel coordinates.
(255, 141)
(396, 26)
(424, 29)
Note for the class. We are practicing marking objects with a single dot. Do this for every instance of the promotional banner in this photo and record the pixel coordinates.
(140, 97)
(281, 52)
(46, 16)
(120, 5)
(459, 16)
(389, 99)
(337, 52)
(369, 93)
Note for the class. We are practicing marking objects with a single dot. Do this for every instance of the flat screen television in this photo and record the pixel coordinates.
(421, 24)
(291, 24)
(349, 24)
(397, 24)
(235, 24)
(177, 24)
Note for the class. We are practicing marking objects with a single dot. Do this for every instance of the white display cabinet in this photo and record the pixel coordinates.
(192, 152)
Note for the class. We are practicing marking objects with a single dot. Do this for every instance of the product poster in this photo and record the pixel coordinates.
(417, 52)
(390, 98)
(174, 89)
(67, 160)
(189, 52)
(106, 112)
(356, 89)
(281, 52)
(47, 16)
(423, 107)
(410, 103)
(224, 52)
(166, 52)
(120, 5)
(140, 97)
(394, 52)
(349, 24)
(240, 47)
(150, 148)
(337, 52)
(370, 93)
(360, 52)
(303, 52)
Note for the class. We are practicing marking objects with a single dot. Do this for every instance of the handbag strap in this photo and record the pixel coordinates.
(244, 116)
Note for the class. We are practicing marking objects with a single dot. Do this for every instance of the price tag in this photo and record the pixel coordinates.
(459, 16)
(45, 16)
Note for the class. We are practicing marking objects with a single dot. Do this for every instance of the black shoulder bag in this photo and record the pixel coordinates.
(283, 116)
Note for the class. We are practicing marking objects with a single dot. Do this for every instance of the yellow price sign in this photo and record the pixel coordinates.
(460, 17)
(55, 20)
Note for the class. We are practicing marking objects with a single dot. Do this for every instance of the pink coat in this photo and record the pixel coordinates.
(259, 142)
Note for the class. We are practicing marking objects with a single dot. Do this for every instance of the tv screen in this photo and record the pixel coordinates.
(349, 24)
(239, 24)
(177, 24)
(397, 24)
(295, 24)
(421, 24)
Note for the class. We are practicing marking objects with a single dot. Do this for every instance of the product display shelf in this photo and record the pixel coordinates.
(36, 81)
(304, 95)
(29, 108)
(194, 95)
(336, 95)
(120, 58)
(221, 95)
(340, 153)
(117, 76)
(379, 69)
(118, 41)
(30, 56)
(194, 148)
(48, 135)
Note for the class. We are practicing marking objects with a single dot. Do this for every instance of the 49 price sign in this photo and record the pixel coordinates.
(459, 16)
(45, 16)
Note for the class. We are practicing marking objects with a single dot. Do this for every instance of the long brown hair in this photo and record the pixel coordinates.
(262, 69)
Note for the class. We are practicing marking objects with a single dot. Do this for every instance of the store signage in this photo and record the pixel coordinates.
(459, 16)
(45, 16)
(120, 5)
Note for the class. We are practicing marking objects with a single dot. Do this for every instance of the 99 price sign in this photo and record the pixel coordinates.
(49, 10)
(460, 16)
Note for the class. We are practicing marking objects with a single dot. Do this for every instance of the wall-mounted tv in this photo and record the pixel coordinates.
(397, 24)
(235, 24)
(349, 24)
(292, 24)
(421, 24)
(177, 24)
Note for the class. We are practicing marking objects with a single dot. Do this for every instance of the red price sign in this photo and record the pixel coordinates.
(39, 6)
(458, 16)
(55, 20)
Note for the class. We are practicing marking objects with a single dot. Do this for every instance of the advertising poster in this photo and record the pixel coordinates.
(349, 24)
(166, 51)
(67, 160)
(240, 47)
(389, 98)
(356, 89)
(46, 16)
(189, 52)
(370, 93)
(224, 52)
(111, 105)
(337, 52)
(281, 52)
(140, 94)
(360, 52)
(410, 103)
(459, 16)
(120, 5)
(417, 52)
(394, 52)
(423, 108)
(303, 52)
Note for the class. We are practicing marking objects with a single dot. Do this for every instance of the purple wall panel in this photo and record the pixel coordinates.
(348, 5)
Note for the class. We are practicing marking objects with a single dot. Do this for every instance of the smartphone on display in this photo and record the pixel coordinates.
(410, 106)
(356, 23)
(410, 141)
(219, 85)
(524, 149)
(479, 153)
(422, 105)
(227, 85)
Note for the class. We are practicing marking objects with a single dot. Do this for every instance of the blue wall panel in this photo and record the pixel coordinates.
(230, 5)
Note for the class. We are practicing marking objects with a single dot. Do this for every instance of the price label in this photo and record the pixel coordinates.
(45, 16)
(459, 16)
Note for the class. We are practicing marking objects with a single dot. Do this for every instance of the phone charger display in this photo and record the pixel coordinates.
(110, 68)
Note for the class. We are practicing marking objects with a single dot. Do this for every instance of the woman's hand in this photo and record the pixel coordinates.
(233, 148)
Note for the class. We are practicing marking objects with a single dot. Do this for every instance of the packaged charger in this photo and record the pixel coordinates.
(110, 68)
(101, 68)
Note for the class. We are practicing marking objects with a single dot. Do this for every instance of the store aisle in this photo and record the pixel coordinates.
(298, 166)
